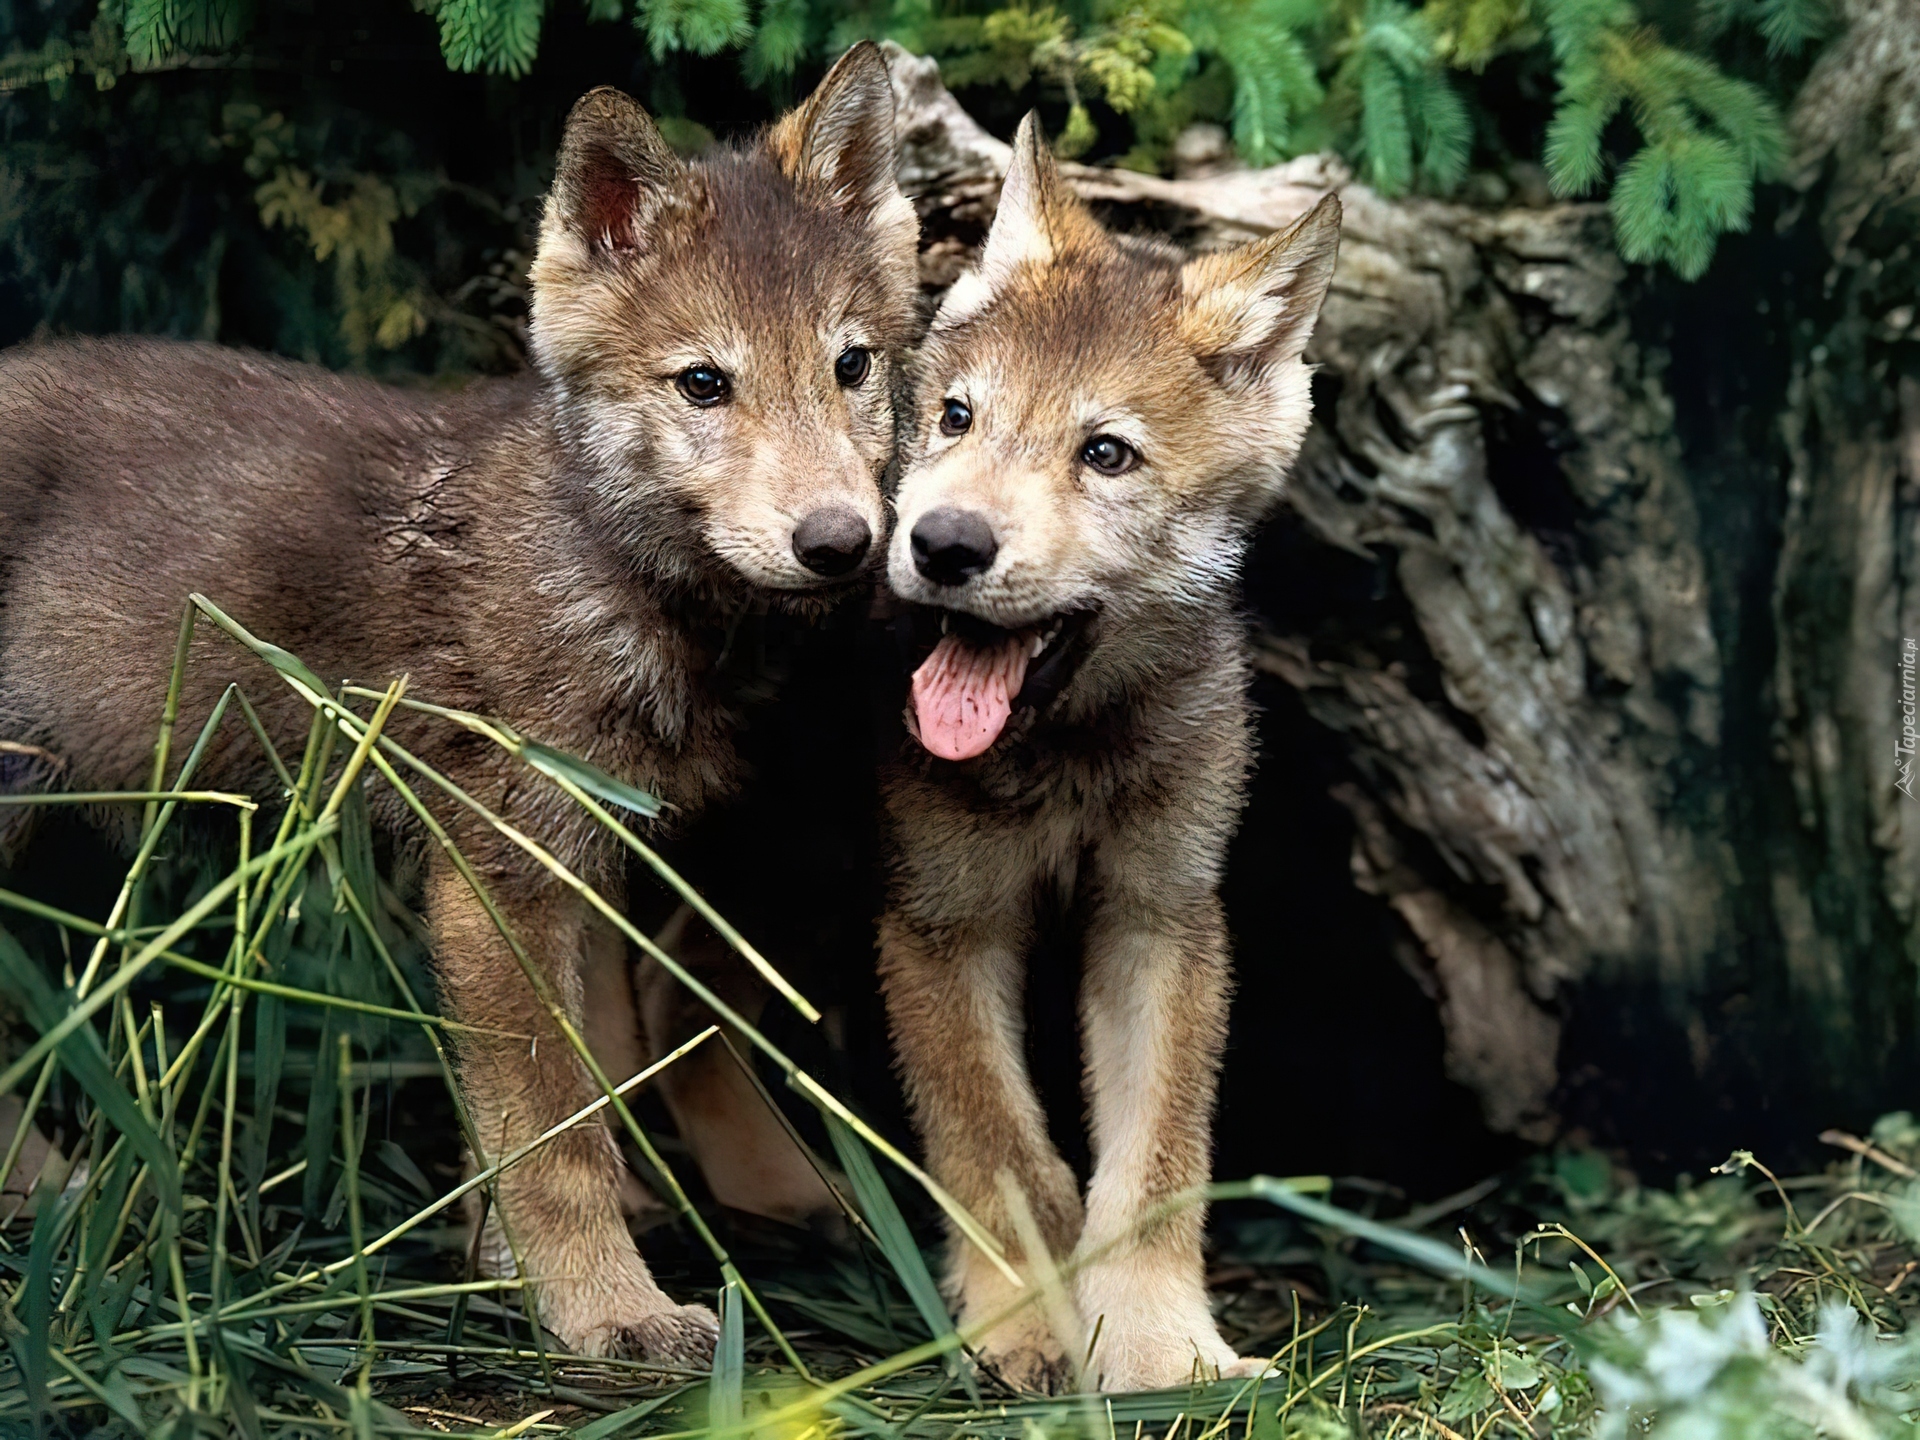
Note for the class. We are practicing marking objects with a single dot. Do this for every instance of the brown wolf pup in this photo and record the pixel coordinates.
(705, 432)
(1100, 426)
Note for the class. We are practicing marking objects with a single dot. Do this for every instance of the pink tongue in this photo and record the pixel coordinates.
(963, 694)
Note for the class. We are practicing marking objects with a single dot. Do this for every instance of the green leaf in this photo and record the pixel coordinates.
(779, 41)
(1078, 136)
(1468, 1395)
(498, 36)
(1386, 139)
(890, 1229)
(725, 1404)
(1512, 1369)
(1905, 1208)
(1273, 82)
(701, 26)
(557, 764)
(1789, 24)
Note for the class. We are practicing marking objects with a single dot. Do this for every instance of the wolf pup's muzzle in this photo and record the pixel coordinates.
(973, 674)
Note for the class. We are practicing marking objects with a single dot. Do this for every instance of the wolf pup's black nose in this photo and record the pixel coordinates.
(832, 540)
(950, 547)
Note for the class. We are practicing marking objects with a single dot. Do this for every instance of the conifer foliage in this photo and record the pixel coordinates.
(1378, 79)
(1671, 109)
(1707, 136)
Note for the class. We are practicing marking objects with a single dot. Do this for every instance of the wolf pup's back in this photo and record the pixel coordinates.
(136, 471)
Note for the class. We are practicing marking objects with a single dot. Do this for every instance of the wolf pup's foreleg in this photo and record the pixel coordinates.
(562, 1204)
(954, 1000)
(1153, 1007)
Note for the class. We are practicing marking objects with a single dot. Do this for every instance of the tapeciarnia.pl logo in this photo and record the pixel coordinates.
(1905, 746)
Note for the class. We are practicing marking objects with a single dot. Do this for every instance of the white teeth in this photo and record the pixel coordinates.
(946, 622)
(1039, 644)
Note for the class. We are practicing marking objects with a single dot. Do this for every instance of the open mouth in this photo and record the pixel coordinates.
(978, 673)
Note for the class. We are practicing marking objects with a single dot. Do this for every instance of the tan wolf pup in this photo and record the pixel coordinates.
(1101, 425)
(705, 432)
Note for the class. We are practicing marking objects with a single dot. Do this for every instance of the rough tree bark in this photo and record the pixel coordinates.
(1533, 713)
(1845, 867)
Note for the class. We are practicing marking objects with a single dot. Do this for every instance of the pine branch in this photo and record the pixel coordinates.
(1410, 115)
(1790, 25)
(500, 37)
(1708, 136)
(779, 42)
(703, 26)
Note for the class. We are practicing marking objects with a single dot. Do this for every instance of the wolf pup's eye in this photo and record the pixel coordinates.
(852, 366)
(1109, 454)
(955, 417)
(704, 385)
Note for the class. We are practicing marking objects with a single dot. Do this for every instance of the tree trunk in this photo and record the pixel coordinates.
(1846, 863)
(1526, 683)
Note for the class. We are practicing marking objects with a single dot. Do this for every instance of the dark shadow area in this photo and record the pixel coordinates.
(1335, 1065)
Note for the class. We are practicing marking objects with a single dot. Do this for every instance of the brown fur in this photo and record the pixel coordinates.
(565, 552)
(1117, 794)
(745, 1154)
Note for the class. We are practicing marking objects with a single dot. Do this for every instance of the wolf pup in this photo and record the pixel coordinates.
(1101, 425)
(705, 432)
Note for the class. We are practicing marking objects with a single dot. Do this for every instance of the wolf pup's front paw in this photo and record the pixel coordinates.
(1159, 1350)
(620, 1313)
(1024, 1353)
(682, 1336)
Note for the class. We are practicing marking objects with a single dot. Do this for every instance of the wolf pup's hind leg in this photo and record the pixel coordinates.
(746, 1156)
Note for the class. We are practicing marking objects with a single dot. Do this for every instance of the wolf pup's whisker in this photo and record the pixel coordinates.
(714, 347)
(1083, 738)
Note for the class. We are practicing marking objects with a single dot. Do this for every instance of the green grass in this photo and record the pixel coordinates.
(262, 1230)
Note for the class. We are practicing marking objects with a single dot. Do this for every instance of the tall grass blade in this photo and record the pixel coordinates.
(269, 1053)
(286, 663)
(896, 1240)
(726, 1404)
(83, 1058)
(1422, 1250)
(213, 900)
(557, 765)
(322, 1103)
(31, 1349)
(610, 1427)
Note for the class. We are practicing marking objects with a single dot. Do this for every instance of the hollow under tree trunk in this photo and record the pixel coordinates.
(1531, 698)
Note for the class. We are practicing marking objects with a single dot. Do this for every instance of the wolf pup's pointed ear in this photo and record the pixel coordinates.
(1248, 310)
(1039, 220)
(615, 174)
(840, 144)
